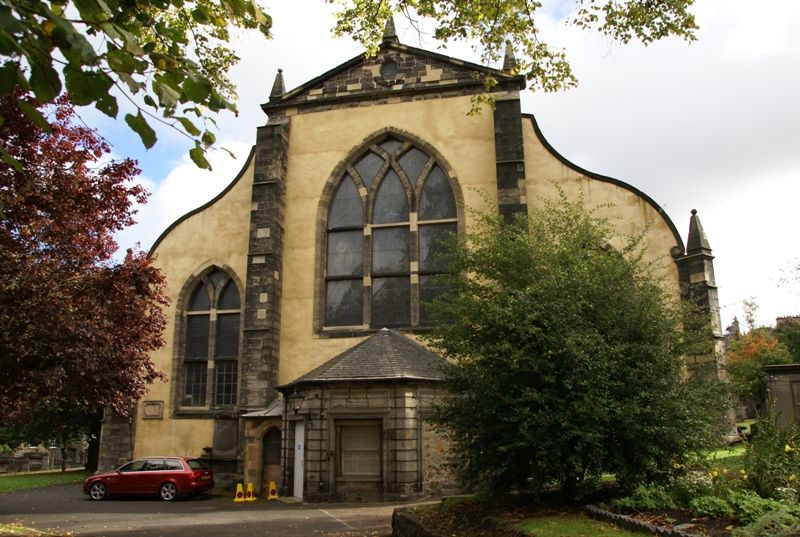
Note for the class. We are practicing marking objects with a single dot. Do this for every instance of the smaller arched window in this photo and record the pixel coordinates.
(211, 348)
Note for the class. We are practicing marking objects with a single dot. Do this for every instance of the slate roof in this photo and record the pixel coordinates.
(385, 355)
(273, 410)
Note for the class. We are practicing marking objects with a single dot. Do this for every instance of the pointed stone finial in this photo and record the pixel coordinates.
(509, 61)
(278, 88)
(389, 32)
(697, 242)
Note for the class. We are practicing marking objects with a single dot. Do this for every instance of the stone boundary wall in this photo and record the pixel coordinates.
(597, 513)
(406, 524)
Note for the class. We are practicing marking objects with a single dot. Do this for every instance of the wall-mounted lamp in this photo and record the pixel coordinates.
(296, 399)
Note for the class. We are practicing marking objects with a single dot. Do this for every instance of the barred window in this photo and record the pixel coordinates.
(359, 449)
(212, 331)
(387, 223)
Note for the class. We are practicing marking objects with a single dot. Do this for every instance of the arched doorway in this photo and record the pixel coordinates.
(270, 457)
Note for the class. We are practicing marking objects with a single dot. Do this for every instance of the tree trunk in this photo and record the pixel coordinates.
(93, 450)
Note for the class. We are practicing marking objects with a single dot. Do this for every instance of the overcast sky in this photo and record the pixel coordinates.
(712, 125)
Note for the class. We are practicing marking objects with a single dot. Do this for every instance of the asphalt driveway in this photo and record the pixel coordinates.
(66, 510)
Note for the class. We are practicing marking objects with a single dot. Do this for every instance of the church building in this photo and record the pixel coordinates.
(298, 293)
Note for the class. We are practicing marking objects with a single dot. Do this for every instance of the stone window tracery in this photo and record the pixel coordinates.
(392, 209)
(211, 350)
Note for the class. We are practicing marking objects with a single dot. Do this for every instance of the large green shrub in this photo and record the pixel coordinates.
(749, 507)
(710, 506)
(566, 358)
(779, 523)
(772, 460)
(646, 498)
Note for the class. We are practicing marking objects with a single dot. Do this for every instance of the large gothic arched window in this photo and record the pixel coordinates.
(392, 208)
(211, 342)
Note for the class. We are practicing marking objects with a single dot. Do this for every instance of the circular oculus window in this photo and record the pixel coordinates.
(389, 69)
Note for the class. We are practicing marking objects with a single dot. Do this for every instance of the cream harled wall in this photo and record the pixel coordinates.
(629, 212)
(217, 235)
(318, 143)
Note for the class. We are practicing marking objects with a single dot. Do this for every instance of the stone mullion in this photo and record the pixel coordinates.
(210, 362)
(413, 272)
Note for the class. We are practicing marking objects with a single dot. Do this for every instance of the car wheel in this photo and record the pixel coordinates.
(97, 491)
(168, 492)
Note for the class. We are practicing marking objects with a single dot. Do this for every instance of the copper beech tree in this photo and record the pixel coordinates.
(76, 326)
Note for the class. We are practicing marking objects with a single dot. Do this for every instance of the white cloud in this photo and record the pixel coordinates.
(184, 189)
(759, 29)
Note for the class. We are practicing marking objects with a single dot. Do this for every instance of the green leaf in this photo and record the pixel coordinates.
(9, 22)
(11, 161)
(197, 88)
(112, 31)
(166, 94)
(90, 10)
(263, 20)
(208, 138)
(201, 15)
(236, 8)
(132, 83)
(121, 62)
(44, 80)
(148, 100)
(105, 8)
(198, 156)
(188, 126)
(139, 125)
(8, 45)
(75, 47)
(118, 33)
(108, 105)
(10, 76)
(86, 87)
(34, 115)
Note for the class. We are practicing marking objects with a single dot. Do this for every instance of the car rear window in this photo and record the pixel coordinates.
(198, 465)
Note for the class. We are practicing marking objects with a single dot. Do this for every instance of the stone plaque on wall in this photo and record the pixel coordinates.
(225, 437)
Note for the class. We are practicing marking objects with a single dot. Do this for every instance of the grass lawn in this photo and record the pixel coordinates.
(735, 450)
(9, 483)
(572, 525)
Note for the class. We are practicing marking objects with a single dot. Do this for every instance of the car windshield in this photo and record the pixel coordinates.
(197, 465)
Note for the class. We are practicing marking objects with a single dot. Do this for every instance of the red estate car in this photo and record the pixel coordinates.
(169, 477)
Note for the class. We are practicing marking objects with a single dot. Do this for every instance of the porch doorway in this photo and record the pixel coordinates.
(270, 458)
(299, 458)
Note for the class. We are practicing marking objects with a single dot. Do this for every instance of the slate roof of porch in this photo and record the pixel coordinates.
(385, 355)
(273, 410)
